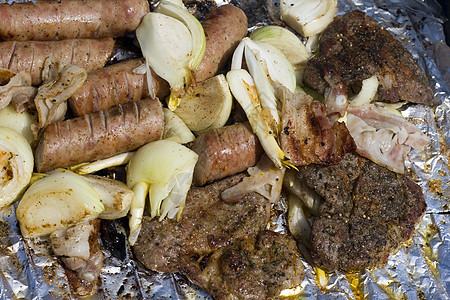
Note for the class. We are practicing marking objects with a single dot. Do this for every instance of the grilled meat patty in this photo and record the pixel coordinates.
(253, 268)
(367, 214)
(353, 48)
(223, 247)
(207, 223)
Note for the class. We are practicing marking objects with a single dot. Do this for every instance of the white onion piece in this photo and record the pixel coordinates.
(284, 40)
(18, 84)
(115, 196)
(19, 121)
(16, 165)
(61, 80)
(265, 179)
(166, 44)
(274, 63)
(164, 169)
(297, 221)
(175, 129)
(95, 166)
(368, 92)
(72, 241)
(177, 10)
(288, 43)
(307, 195)
(268, 67)
(57, 201)
(308, 17)
(206, 105)
(244, 90)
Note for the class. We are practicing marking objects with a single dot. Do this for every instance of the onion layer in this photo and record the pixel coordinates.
(16, 162)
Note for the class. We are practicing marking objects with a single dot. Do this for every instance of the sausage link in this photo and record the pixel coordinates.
(30, 56)
(100, 135)
(112, 85)
(225, 151)
(70, 19)
(225, 26)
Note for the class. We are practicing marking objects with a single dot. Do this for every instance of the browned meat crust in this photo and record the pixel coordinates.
(253, 269)
(225, 151)
(308, 136)
(354, 47)
(207, 223)
(368, 213)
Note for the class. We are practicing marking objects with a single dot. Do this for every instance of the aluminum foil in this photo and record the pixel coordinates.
(420, 270)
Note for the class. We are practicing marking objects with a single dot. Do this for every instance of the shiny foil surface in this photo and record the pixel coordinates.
(420, 270)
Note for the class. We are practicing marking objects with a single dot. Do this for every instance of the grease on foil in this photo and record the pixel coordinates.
(417, 271)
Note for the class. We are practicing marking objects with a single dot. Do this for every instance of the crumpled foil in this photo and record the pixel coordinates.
(420, 270)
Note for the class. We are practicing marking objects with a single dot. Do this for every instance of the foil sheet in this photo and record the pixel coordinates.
(420, 270)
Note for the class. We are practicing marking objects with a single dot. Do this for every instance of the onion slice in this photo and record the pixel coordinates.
(163, 170)
(17, 161)
(308, 17)
(57, 201)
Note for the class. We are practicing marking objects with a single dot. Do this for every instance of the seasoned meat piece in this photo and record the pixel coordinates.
(308, 136)
(207, 223)
(354, 47)
(367, 214)
(249, 269)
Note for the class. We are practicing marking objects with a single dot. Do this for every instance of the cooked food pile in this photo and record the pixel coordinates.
(214, 129)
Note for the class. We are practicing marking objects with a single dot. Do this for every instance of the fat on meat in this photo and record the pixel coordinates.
(81, 255)
(382, 136)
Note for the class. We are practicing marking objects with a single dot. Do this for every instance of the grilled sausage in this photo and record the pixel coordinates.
(225, 26)
(225, 151)
(100, 135)
(70, 19)
(29, 56)
(112, 85)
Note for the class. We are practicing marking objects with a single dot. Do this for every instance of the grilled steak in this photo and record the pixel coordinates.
(367, 214)
(253, 269)
(207, 223)
(353, 48)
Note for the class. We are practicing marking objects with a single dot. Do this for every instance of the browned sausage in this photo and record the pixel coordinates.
(225, 26)
(225, 151)
(70, 19)
(112, 85)
(100, 135)
(90, 54)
